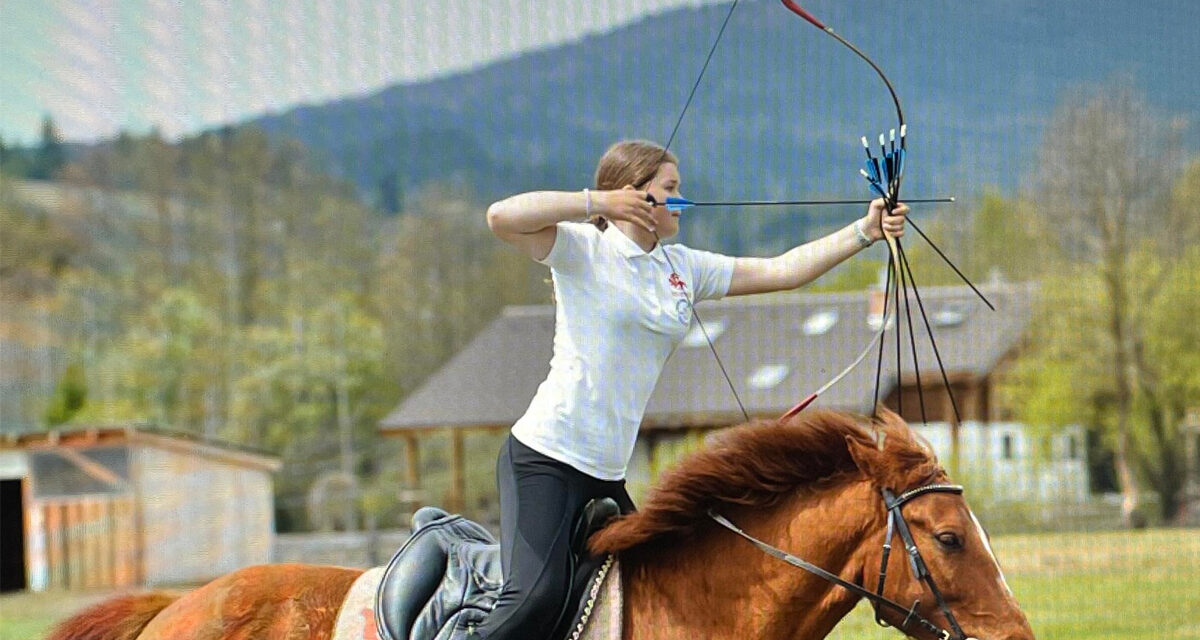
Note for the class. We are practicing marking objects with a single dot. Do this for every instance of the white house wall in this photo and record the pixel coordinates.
(1024, 475)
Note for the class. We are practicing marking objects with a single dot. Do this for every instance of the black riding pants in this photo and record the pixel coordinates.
(540, 499)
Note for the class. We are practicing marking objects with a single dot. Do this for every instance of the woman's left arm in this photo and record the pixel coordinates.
(809, 261)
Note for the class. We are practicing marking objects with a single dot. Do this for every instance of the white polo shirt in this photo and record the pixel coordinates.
(620, 313)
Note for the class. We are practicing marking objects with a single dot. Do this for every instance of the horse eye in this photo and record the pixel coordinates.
(949, 540)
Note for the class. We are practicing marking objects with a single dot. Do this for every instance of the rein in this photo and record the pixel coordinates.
(896, 523)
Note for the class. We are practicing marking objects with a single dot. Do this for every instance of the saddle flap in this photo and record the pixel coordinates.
(447, 564)
(447, 576)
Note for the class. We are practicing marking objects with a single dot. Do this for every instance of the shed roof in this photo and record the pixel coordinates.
(149, 435)
(788, 344)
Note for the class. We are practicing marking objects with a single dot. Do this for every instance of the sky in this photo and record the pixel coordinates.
(99, 66)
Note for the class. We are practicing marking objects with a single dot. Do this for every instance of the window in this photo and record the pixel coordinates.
(950, 315)
(1196, 455)
(767, 376)
(695, 336)
(1006, 447)
(820, 322)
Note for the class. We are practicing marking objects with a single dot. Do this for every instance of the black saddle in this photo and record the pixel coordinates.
(446, 578)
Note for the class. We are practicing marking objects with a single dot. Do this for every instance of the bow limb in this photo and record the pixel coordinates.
(891, 197)
(893, 250)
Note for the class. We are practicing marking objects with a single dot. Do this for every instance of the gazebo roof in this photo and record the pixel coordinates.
(777, 349)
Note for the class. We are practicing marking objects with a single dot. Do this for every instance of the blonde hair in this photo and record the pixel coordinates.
(629, 162)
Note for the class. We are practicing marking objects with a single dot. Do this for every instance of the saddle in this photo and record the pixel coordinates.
(445, 579)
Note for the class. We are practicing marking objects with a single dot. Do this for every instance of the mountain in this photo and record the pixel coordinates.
(781, 107)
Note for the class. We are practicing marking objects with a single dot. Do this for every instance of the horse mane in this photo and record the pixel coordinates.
(762, 462)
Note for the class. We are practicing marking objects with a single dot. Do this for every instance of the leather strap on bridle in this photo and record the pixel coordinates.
(920, 571)
(916, 562)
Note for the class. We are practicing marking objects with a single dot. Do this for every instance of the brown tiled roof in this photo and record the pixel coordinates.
(491, 381)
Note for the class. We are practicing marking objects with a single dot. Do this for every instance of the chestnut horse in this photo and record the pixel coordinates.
(813, 486)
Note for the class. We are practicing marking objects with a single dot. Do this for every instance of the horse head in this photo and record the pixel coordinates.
(952, 578)
(818, 491)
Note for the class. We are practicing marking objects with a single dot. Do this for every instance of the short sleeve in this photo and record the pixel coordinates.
(711, 272)
(573, 243)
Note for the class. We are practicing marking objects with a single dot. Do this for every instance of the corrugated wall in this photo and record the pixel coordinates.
(89, 542)
(200, 518)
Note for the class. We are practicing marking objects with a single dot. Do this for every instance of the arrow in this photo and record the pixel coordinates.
(679, 204)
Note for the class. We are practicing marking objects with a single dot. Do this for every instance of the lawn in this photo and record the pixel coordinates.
(1099, 586)
(25, 616)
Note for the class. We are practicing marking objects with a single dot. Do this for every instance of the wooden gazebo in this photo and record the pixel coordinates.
(777, 349)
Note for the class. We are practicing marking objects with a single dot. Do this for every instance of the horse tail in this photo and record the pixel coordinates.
(119, 618)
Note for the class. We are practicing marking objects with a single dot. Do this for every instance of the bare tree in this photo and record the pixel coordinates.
(1107, 165)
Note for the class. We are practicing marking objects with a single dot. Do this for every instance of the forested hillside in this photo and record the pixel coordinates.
(227, 288)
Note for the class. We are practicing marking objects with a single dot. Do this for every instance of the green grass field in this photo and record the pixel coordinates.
(1098, 586)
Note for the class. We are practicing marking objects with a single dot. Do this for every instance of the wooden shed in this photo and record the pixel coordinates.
(122, 506)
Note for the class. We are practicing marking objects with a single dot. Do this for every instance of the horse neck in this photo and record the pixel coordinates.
(721, 586)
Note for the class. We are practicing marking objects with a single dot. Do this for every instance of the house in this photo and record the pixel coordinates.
(132, 505)
(1011, 463)
(777, 350)
(1191, 486)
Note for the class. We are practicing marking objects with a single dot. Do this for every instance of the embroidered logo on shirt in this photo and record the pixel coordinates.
(683, 308)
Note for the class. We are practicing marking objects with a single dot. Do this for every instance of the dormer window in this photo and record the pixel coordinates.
(820, 322)
(767, 376)
(695, 336)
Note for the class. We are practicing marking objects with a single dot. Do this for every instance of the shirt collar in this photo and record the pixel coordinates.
(627, 248)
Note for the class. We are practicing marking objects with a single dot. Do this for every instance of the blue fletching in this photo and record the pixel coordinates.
(678, 204)
(872, 168)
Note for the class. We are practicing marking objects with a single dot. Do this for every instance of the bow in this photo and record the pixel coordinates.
(891, 172)
(884, 175)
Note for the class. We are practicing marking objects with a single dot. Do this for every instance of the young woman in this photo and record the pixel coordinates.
(623, 302)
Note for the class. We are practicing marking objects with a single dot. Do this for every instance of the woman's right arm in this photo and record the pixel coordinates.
(527, 220)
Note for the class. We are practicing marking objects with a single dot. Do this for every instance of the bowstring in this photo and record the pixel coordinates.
(898, 267)
(658, 241)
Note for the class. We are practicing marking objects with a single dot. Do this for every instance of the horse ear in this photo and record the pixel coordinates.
(868, 457)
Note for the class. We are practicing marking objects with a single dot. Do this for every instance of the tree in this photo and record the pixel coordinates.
(1107, 167)
(69, 396)
(51, 155)
(1001, 237)
(442, 276)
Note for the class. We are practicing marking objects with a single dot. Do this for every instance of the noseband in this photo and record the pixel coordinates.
(896, 523)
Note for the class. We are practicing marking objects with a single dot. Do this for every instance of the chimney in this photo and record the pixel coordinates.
(876, 297)
(875, 304)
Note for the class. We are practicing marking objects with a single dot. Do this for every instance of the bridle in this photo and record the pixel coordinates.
(895, 524)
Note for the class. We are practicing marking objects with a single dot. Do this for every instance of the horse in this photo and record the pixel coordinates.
(710, 554)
